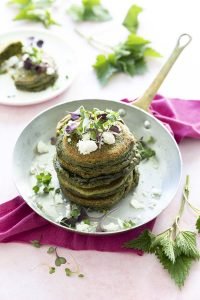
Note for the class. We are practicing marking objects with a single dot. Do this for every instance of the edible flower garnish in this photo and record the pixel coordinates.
(96, 126)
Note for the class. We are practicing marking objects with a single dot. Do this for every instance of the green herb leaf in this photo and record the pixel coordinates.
(52, 270)
(131, 19)
(51, 250)
(87, 221)
(143, 242)
(178, 270)
(37, 11)
(91, 10)
(151, 52)
(186, 242)
(68, 272)
(60, 261)
(128, 57)
(36, 243)
(198, 224)
(36, 189)
(128, 224)
(145, 151)
(166, 243)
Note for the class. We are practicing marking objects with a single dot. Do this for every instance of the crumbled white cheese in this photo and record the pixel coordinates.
(25, 56)
(69, 140)
(156, 193)
(42, 147)
(20, 64)
(58, 199)
(120, 222)
(136, 204)
(86, 227)
(108, 138)
(86, 147)
(68, 211)
(152, 205)
(111, 227)
(50, 71)
(147, 124)
(12, 61)
(59, 218)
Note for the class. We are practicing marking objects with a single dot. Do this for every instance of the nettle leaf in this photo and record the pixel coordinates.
(186, 242)
(178, 270)
(131, 19)
(166, 243)
(198, 224)
(127, 57)
(104, 69)
(143, 242)
(151, 52)
(91, 10)
(36, 11)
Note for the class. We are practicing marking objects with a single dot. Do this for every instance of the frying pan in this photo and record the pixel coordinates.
(162, 173)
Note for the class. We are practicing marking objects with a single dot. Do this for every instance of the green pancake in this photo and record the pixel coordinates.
(31, 81)
(10, 50)
(106, 202)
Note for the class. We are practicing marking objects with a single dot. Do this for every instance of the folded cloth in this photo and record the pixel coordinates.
(19, 223)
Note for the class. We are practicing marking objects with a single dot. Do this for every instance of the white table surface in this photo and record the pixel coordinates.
(23, 268)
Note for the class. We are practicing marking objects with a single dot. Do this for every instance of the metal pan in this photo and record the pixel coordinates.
(162, 173)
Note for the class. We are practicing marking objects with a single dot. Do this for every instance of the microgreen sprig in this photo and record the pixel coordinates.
(43, 183)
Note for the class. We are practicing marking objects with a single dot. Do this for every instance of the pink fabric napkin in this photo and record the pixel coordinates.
(19, 223)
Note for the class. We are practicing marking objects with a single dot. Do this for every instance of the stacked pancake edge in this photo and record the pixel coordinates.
(102, 178)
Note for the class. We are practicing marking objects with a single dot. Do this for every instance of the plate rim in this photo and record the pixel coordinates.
(104, 233)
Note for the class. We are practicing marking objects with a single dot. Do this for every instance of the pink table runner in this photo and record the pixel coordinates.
(19, 223)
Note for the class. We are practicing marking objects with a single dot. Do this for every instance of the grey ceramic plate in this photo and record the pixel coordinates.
(161, 173)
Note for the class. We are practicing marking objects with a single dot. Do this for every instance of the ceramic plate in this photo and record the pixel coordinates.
(58, 49)
(160, 173)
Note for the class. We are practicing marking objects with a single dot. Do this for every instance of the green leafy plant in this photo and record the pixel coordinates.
(90, 10)
(34, 10)
(131, 19)
(43, 183)
(36, 243)
(175, 249)
(128, 57)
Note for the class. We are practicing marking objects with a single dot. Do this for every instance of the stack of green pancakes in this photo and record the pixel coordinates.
(101, 178)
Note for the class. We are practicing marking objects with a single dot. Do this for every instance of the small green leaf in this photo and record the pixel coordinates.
(81, 275)
(87, 221)
(104, 68)
(51, 250)
(36, 189)
(198, 224)
(36, 243)
(91, 10)
(186, 242)
(60, 261)
(68, 272)
(57, 191)
(128, 224)
(52, 270)
(165, 241)
(143, 242)
(151, 52)
(131, 19)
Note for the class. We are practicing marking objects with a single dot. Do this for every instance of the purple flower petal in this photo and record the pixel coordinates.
(71, 128)
(28, 64)
(40, 43)
(53, 140)
(40, 69)
(102, 116)
(74, 116)
(115, 129)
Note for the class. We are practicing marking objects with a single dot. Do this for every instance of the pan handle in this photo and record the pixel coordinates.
(144, 101)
